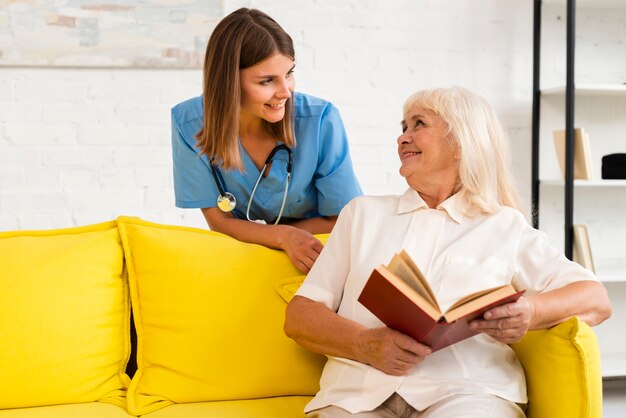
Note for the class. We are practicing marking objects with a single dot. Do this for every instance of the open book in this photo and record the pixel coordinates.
(399, 295)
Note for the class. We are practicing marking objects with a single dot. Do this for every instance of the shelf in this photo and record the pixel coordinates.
(585, 183)
(588, 90)
(589, 3)
(612, 277)
(613, 365)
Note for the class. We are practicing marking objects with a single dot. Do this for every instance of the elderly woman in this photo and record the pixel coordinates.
(459, 220)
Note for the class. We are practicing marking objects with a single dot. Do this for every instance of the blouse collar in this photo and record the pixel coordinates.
(411, 201)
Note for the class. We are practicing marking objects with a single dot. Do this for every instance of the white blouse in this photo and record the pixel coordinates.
(459, 255)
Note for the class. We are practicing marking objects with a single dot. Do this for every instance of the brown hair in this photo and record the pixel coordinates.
(240, 40)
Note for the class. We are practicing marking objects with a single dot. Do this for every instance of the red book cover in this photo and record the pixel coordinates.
(401, 308)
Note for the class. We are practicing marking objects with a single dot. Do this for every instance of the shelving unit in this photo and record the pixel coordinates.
(557, 202)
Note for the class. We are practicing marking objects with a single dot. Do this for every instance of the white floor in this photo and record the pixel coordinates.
(614, 400)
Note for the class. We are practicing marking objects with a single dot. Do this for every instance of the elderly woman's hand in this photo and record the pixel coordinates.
(390, 351)
(507, 323)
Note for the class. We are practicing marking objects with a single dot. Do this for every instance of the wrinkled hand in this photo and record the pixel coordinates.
(302, 248)
(390, 351)
(507, 323)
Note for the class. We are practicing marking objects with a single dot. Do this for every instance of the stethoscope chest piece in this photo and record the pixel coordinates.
(226, 202)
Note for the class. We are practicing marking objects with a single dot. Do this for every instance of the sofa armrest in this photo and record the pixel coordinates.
(563, 373)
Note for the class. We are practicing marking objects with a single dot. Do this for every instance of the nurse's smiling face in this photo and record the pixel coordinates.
(266, 88)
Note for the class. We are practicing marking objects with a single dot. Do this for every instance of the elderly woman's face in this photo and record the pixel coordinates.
(425, 150)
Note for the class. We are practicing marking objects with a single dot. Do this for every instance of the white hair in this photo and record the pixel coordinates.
(485, 177)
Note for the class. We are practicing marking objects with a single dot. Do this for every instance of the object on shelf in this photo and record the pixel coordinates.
(614, 166)
(582, 153)
(582, 247)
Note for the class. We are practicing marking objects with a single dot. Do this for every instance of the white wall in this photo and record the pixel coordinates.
(86, 145)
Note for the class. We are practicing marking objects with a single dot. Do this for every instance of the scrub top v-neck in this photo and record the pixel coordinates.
(322, 182)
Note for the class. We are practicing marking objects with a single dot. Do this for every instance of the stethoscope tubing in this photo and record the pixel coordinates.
(231, 201)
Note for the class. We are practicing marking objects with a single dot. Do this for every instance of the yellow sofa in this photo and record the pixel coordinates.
(208, 312)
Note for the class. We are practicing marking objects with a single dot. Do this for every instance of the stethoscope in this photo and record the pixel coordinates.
(227, 202)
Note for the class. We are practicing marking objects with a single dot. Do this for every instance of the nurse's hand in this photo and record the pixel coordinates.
(390, 351)
(299, 244)
(301, 247)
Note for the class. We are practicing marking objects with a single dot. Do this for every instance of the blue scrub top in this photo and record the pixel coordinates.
(322, 178)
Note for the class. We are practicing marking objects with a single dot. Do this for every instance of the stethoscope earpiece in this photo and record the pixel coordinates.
(226, 202)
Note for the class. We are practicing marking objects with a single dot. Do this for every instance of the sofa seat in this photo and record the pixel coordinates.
(283, 406)
(78, 410)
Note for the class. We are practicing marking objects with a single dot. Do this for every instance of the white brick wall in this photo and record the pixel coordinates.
(86, 145)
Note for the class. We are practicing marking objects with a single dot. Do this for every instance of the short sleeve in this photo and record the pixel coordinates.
(194, 186)
(335, 180)
(326, 280)
(542, 268)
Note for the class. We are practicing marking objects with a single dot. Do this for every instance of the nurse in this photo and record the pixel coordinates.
(252, 149)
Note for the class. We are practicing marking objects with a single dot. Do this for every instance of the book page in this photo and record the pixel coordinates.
(404, 267)
(477, 300)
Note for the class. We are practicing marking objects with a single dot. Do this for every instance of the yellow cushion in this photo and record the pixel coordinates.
(209, 321)
(563, 374)
(64, 317)
(288, 286)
